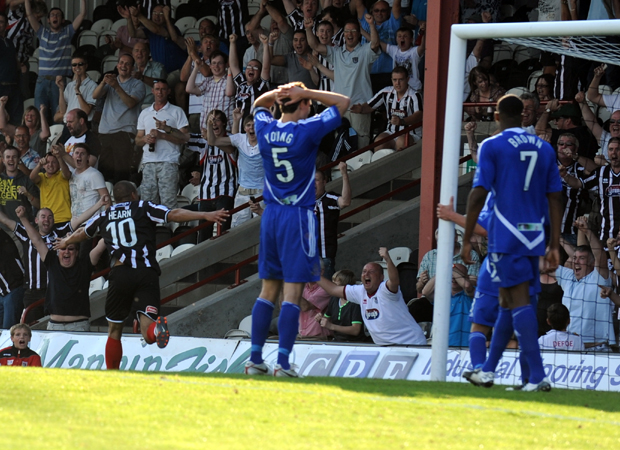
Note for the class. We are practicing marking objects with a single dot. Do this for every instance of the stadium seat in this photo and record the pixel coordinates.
(361, 159)
(105, 285)
(246, 325)
(175, 3)
(35, 53)
(193, 33)
(185, 23)
(94, 75)
(503, 71)
(119, 23)
(181, 248)
(105, 12)
(400, 254)
(421, 309)
(408, 274)
(523, 53)
(191, 192)
(101, 25)
(163, 253)
(182, 201)
(211, 18)
(617, 91)
(381, 154)
(96, 285)
(517, 91)
(110, 187)
(253, 8)
(502, 52)
(191, 238)
(109, 63)
(427, 329)
(33, 64)
(236, 334)
(102, 36)
(603, 114)
(335, 172)
(88, 37)
(531, 81)
(162, 234)
(55, 132)
(28, 102)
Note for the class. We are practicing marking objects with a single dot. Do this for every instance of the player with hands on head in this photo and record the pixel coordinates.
(128, 229)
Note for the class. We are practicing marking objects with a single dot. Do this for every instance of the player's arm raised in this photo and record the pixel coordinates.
(296, 93)
(185, 215)
(552, 257)
(475, 203)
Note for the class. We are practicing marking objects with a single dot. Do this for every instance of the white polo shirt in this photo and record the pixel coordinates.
(386, 316)
(165, 151)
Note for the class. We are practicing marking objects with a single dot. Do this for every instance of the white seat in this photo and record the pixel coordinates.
(502, 52)
(211, 18)
(94, 75)
(517, 91)
(102, 36)
(605, 90)
(101, 25)
(33, 64)
(28, 102)
(191, 192)
(531, 80)
(603, 113)
(617, 91)
(181, 248)
(246, 325)
(193, 33)
(110, 187)
(360, 160)
(185, 23)
(182, 201)
(523, 53)
(253, 9)
(109, 63)
(96, 285)
(119, 23)
(381, 154)
(163, 253)
(175, 3)
(55, 132)
(236, 334)
(105, 285)
(88, 37)
(36, 48)
(400, 254)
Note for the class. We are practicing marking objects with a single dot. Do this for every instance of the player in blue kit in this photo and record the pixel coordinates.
(288, 253)
(521, 172)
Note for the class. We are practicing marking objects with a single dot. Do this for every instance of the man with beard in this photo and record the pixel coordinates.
(76, 132)
(123, 96)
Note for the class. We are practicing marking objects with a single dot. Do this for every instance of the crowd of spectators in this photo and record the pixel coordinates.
(176, 109)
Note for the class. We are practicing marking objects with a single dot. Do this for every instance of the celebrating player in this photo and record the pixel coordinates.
(128, 229)
(520, 169)
(288, 247)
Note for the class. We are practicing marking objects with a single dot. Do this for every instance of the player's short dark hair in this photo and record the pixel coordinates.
(400, 69)
(246, 119)
(345, 276)
(84, 146)
(334, 13)
(217, 53)
(81, 114)
(510, 106)
(56, 9)
(123, 190)
(220, 114)
(288, 108)
(39, 7)
(44, 209)
(326, 23)
(405, 30)
(302, 31)
(133, 61)
(160, 80)
(613, 139)
(11, 147)
(574, 138)
(352, 22)
(558, 316)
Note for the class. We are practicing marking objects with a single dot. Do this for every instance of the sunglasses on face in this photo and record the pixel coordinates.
(77, 64)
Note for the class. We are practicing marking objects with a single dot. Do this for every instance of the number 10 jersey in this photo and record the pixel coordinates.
(128, 230)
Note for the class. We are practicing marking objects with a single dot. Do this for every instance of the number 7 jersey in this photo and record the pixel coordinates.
(289, 153)
(128, 230)
(520, 170)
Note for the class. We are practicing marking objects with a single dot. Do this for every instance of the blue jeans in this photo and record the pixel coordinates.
(11, 306)
(46, 93)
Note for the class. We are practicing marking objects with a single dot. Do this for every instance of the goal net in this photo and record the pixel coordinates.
(588, 40)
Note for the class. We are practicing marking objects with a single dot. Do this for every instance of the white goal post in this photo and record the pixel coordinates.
(584, 39)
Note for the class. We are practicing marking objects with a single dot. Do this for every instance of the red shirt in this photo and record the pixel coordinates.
(11, 356)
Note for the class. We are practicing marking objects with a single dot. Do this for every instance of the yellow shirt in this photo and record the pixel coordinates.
(55, 196)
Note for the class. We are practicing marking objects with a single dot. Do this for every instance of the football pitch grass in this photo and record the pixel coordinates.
(75, 409)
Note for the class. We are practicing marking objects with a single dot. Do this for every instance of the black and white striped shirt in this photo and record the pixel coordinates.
(232, 17)
(327, 214)
(325, 84)
(247, 93)
(20, 32)
(148, 5)
(128, 230)
(571, 198)
(36, 271)
(408, 104)
(296, 18)
(219, 171)
(606, 184)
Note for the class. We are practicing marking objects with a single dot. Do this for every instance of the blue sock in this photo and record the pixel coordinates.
(261, 319)
(525, 368)
(526, 328)
(502, 332)
(288, 327)
(477, 349)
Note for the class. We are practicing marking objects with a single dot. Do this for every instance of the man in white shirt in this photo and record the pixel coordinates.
(160, 160)
(384, 311)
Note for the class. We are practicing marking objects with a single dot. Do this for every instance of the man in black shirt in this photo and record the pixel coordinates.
(11, 282)
(66, 297)
(128, 229)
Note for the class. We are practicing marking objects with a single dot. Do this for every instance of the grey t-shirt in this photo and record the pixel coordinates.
(297, 72)
(352, 71)
(116, 115)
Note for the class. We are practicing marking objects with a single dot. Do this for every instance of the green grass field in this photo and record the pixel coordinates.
(75, 409)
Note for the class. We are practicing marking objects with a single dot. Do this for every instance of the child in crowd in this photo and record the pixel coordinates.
(343, 318)
(558, 317)
(19, 354)
(406, 55)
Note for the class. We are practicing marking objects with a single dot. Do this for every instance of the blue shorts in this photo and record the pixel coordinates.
(511, 270)
(288, 245)
(484, 310)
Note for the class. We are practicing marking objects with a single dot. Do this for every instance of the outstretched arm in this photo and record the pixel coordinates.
(296, 93)
(593, 94)
(345, 199)
(222, 142)
(104, 201)
(447, 212)
(81, 16)
(95, 253)
(596, 245)
(185, 215)
(475, 203)
(33, 234)
(393, 278)
(588, 116)
(313, 42)
(331, 288)
(32, 19)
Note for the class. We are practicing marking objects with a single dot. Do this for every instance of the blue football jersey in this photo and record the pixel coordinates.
(289, 153)
(519, 169)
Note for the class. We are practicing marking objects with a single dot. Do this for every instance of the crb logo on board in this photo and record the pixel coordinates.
(359, 364)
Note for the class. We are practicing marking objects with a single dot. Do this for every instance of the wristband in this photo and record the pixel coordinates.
(547, 110)
(169, 130)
